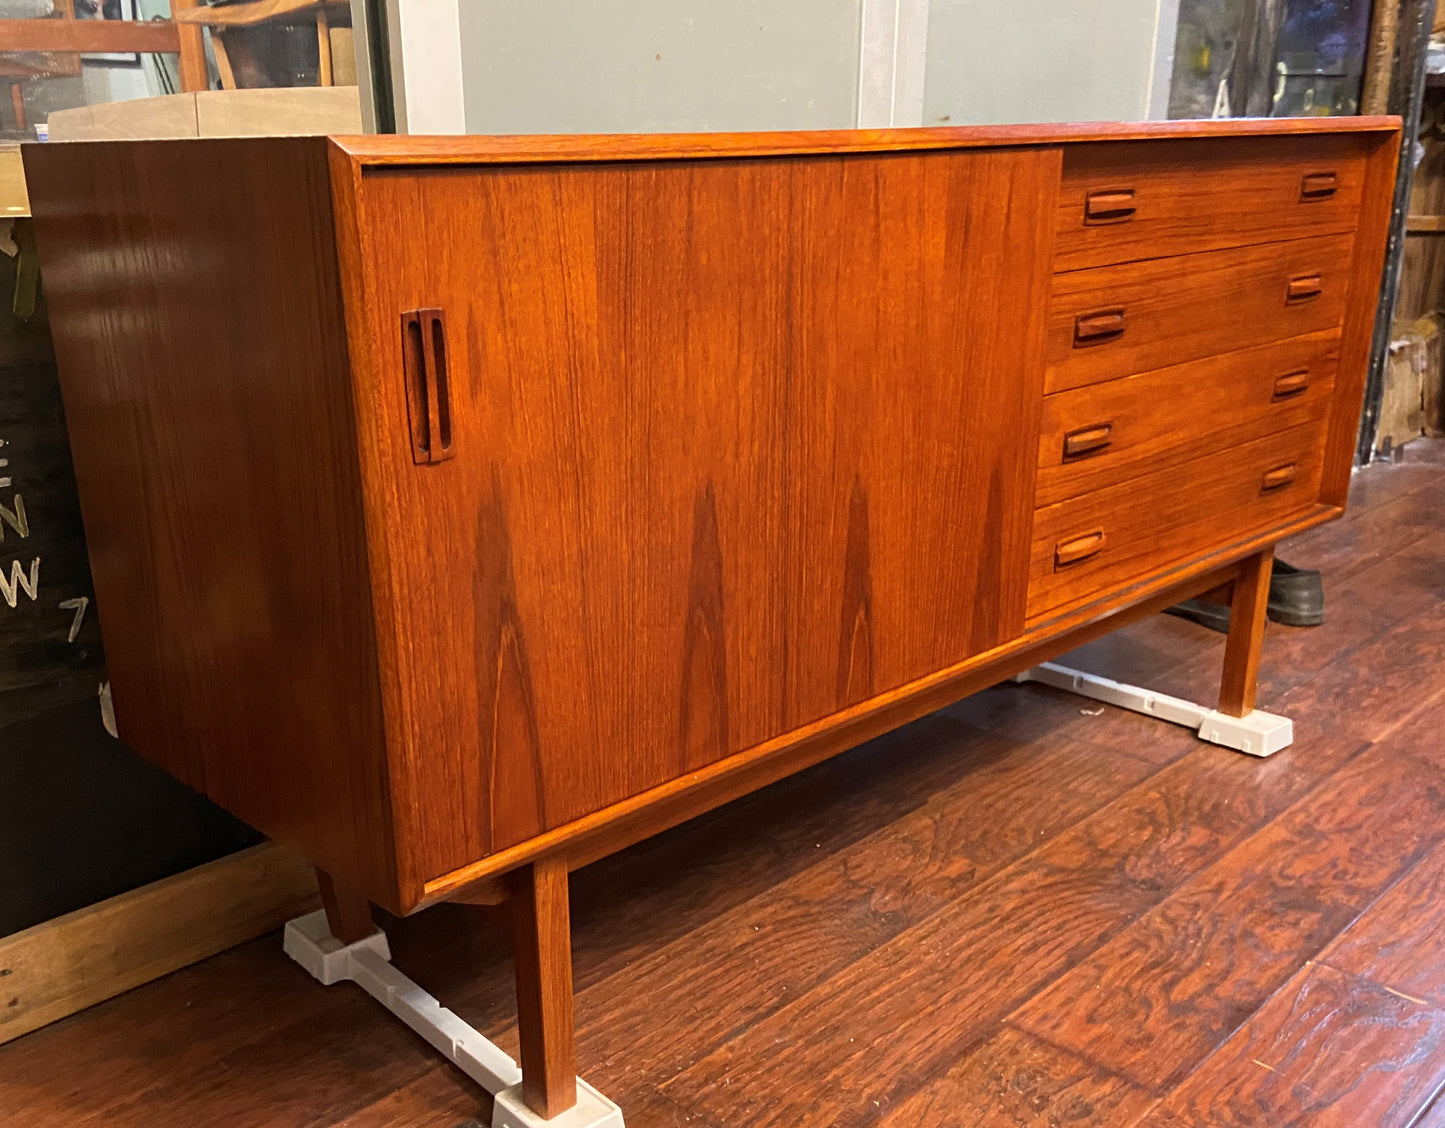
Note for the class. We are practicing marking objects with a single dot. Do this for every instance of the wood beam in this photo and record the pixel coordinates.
(90, 36)
(60, 967)
(192, 47)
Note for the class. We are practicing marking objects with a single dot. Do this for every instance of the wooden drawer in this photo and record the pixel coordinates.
(1108, 539)
(1116, 321)
(1122, 202)
(1104, 433)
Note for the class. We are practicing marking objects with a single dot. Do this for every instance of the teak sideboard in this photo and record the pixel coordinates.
(463, 510)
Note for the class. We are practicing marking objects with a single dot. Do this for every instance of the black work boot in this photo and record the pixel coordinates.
(1296, 598)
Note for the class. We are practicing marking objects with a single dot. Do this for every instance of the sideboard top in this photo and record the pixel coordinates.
(393, 149)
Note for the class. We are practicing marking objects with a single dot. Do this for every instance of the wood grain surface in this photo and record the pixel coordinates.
(1399, 941)
(1189, 196)
(1193, 306)
(626, 823)
(1366, 270)
(1172, 415)
(857, 896)
(1244, 646)
(696, 420)
(1013, 1079)
(1169, 515)
(66, 35)
(743, 448)
(348, 913)
(62, 966)
(198, 328)
(849, 862)
(375, 150)
(1018, 931)
(1328, 1051)
(542, 951)
(1160, 996)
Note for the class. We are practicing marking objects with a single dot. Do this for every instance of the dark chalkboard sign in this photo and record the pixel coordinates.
(81, 817)
(50, 651)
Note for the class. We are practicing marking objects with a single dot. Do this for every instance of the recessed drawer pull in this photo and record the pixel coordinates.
(1278, 477)
(1291, 384)
(1113, 205)
(1098, 327)
(1303, 287)
(1080, 548)
(1088, 440)
(1318, 186)
(428, 390)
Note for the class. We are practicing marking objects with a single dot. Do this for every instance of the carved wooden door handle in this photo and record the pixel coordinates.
(428, 390)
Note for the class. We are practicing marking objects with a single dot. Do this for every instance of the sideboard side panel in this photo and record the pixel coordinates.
(737, 444)
(1359, 330)
(197, 314)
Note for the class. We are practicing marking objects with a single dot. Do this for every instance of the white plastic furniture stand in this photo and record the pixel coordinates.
(367, 963)
(1257, 733)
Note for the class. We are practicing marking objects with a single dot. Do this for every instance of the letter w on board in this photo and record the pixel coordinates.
(17, 579)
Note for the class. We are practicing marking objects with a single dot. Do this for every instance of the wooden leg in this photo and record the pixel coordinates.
(1246, 634)
(223, 59)
(541, 930)
(193, 73)
(17, 104)
(323, 47)
(348, 913)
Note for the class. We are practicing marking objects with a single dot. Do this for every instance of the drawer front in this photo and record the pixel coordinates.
(1105, 540)
(1116, 321)
(1101, 434)
(1123, 202)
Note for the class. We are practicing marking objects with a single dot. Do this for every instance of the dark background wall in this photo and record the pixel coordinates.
(81, 817)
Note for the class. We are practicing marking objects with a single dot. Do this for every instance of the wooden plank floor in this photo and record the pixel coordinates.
(1023, 910)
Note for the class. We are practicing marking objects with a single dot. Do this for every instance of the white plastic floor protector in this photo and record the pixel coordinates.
(1257, 733)
(367, 963)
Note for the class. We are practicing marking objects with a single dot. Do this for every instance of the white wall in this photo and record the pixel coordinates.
(118, 84)
(577, 66)
(992, 61)
(584, 66)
